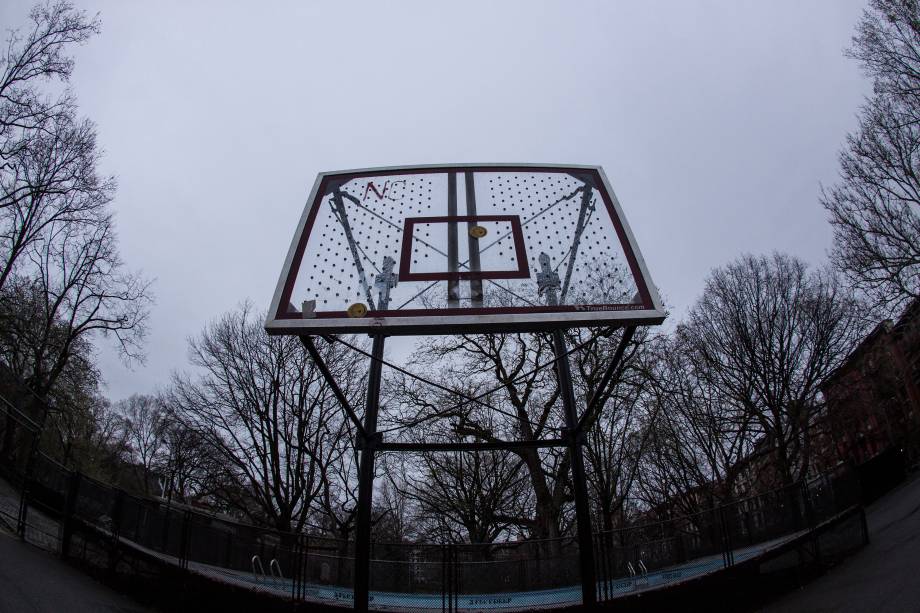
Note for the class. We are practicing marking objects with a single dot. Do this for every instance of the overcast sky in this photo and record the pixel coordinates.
(716, 122)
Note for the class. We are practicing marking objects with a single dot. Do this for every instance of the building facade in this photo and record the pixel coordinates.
(872, 401)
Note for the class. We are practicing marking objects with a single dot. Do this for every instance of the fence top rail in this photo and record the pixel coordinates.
(10, 409)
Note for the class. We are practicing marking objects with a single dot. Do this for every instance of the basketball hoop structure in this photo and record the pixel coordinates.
(484, 248)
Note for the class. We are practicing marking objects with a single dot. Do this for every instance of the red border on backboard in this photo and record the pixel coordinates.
(405, 257)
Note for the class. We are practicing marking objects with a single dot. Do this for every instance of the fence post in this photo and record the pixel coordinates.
(811, 521)
(22, 515)
(296, 550)
(27, 480)
(445, 578)
(455, 578)
(864, 526)
(728, 554)
(70, 505)
(186, 537)
(115, 515)
(810, 518)
(600, 556)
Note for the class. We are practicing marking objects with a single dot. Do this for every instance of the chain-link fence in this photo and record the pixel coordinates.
(114, 532)
(656, 554)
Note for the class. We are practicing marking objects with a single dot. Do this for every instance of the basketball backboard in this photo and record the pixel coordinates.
(449, 249)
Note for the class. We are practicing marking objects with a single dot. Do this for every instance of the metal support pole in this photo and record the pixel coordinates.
(453, 259)
(579, 482)
(475, 283)
(366, 478)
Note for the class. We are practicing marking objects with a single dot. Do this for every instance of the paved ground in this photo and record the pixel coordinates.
(883, 577)
(40, 530)
(33, 581)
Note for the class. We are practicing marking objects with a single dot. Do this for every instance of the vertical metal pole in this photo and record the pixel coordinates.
(116, 512)
(366, 478)
(475, 266)
(186, 538)
(22, 515)
(579, 482)
(22, 518)
(453, 258)
(443, 578)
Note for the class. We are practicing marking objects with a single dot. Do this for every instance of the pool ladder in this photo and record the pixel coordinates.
(637, 573)
(643, 570)
(274, 567)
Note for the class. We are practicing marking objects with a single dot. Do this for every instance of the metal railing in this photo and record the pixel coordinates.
(257, 570)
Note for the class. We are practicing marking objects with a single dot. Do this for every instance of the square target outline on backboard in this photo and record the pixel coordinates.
(284, 318)
(517, 235)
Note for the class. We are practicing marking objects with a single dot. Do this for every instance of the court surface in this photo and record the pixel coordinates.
(883, 577)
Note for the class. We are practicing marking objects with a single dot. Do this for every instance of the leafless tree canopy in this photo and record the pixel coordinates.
(464, 497)
(764, 335)
(261, 404)
(514, 378)
(62, 282)
(875, 207)
(695, 437)
(144, 423)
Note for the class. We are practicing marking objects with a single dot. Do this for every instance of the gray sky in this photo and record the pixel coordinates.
(716, 123)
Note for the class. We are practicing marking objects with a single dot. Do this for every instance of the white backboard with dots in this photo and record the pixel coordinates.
(449, 249)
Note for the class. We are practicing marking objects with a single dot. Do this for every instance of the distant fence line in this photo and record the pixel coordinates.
(104, 526)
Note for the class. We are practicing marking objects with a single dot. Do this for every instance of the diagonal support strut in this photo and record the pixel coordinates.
(598, 393)
(336, 390)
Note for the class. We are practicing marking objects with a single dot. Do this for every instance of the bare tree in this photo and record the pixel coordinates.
(875, 207)
(143, 422)
(396, 519)
(262, 405)
(73, 406)
(764, 335)
(526, 400)
(523, 400)
(613, 449)
(615, 440)
(49, 156)
(62, 282)
(696, 438)
(187, 466)
(467, 497)
(78, 291)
